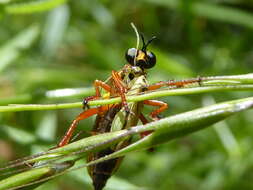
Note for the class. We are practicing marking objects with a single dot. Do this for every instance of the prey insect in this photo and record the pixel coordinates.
(128, 81)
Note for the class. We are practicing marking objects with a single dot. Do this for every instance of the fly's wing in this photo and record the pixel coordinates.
(113, 120)
(101, 172)
(123, 120)
(102, 125)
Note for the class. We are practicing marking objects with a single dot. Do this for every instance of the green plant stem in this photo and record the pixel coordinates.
(34, 175)
(164, 130)
(149, 95)
(207, 84)
(179, 125)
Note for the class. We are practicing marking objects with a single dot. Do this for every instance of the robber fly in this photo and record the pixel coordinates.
(128, 81)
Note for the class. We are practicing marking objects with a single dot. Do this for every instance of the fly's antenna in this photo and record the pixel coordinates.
(153, 37)
(137, 40)
(145, 45)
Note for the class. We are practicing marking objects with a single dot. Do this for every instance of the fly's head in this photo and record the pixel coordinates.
(141, 57)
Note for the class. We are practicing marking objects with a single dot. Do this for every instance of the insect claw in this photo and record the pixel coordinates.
(86, 101)
(156, 117)
(85, 104)
(199, 80)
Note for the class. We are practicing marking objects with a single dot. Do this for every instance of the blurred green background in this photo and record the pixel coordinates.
(55, 44)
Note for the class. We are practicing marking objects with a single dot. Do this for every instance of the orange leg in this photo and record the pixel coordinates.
(146, 133)
(144, 121)
(88, 113)
(174, 83)
(97, 84)
(86, 100)
(154, 114)
(162, 106)
(121, 89)
(85, 114)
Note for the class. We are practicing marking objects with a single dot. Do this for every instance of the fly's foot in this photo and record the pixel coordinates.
(156, 117)
(199, 80)
(85, 104)
(86, 101)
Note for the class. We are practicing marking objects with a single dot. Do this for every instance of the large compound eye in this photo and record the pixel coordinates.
(130, 55)
(151, 60)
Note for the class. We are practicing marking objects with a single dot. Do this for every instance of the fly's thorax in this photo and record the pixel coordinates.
(135, 85)
(134, 77)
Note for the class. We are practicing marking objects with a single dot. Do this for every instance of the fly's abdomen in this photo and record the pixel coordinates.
(101, 172)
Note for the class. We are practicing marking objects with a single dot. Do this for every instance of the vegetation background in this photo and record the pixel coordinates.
(57, 44)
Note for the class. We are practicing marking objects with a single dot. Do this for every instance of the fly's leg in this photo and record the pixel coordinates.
(144, 122)
(174, 83)
(122, 90)
(162, 106)
(143, 119)
(97, 84)
(85, 114)
(154, 114)
(86, 101)
(146, 133)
